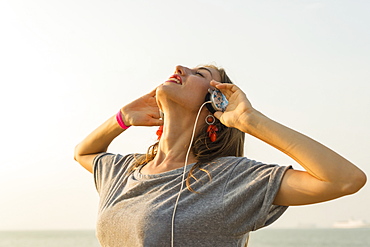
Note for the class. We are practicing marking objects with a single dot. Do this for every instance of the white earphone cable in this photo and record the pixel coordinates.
(183, 174)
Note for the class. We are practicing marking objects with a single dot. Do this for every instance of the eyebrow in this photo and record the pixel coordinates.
(206, 69)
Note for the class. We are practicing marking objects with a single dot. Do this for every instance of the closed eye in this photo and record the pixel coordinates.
(198, 73)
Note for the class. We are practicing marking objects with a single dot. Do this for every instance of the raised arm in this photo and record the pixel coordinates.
(327, 175)
(141, 112)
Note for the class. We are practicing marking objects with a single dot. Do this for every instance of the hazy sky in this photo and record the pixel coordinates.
(66, 66)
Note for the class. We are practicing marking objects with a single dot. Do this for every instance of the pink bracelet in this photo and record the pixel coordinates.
(120, 121)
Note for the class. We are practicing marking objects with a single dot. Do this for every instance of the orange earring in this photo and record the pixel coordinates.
(212, 129)
(159, 132)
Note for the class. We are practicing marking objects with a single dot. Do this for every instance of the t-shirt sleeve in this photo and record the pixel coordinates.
(249, 195)
(108, 167)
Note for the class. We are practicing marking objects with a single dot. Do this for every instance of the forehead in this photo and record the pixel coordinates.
(212, 71)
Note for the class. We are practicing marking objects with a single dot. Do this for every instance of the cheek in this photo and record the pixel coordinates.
(199, 93)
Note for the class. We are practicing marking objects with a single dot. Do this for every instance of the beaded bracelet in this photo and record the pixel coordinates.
(120, 121)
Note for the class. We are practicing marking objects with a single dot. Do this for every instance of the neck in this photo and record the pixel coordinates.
(176, 139)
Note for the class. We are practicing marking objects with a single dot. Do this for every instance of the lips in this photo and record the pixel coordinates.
(175, 79)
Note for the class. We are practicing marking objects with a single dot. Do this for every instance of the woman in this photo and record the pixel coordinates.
(142, 198)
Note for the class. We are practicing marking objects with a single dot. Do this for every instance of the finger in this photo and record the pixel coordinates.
(156, 122)
(227, 90)
(153, 92)
(227, 86)
(155, 113)
(214, 83)
(218, 114)
(224, 87)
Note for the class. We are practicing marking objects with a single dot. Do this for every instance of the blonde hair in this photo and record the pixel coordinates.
(230, 142)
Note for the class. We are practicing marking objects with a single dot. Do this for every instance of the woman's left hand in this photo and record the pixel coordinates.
(239, 107)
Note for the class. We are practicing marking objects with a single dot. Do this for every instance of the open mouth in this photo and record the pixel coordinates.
(175, 79)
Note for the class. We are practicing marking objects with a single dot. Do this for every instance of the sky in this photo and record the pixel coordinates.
(67, 66)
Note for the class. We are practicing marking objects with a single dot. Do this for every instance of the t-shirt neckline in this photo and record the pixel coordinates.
(138, 175)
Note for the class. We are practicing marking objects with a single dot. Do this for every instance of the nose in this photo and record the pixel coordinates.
(180, 70)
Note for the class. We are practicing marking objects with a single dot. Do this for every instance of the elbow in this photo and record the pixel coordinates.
(76, 153)
(357, 181)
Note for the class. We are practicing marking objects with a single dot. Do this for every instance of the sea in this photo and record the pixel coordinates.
(315, 237)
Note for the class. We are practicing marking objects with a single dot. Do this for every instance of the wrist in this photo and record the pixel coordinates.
(121, 121)
(249, 121)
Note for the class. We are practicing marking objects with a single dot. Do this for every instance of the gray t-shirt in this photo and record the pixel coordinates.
(136, 209)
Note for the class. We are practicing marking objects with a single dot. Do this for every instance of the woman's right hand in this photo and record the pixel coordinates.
(142, 112)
